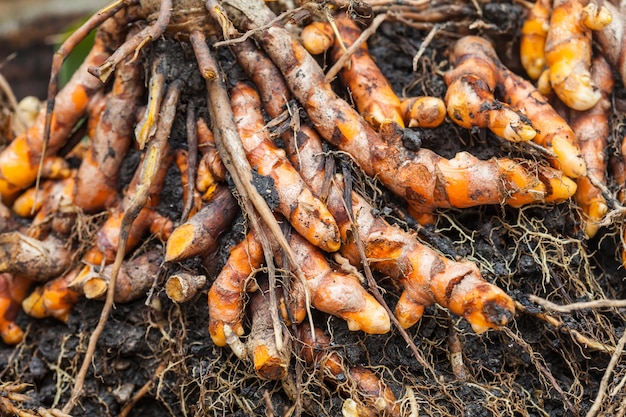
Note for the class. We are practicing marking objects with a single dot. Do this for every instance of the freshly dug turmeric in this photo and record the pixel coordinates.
(53, 299)
(307, 214)
(332, 292)
(568, 51)
(269, 362)
(25, 204)
(148, 218)
(135, 278)
(96, 186)
(397, 253)
(553, 132)
(210, 168)
(20, 160)
(426, 276)
(183, 286)
(533, 38)
(314, 152)
(13, 290)
(39, 260)
(227, 292)
(201, 233)
(317, 37)
(264, 74)
(191, 196)
(470, 97)
(369, 88)
(53, 211)
(612, 38)
(471, 182)
(424, 111)
(592, 131)
(335, 292)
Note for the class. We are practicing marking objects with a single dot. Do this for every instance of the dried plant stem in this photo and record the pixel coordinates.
(576, 306)
(134, 44)
(192, 145)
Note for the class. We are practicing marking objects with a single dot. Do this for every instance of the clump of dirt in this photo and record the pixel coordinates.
(155, 357)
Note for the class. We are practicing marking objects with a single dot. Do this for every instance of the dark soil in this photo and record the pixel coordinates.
(531, 368)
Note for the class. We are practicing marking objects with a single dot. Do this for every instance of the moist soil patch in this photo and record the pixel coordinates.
(156, 358)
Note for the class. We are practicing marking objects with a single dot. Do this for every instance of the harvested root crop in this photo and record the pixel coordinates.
(226, 296)
(333, 292)
(461, 182)
(52, 299)
(317, 37)
(98, 174)
(147, 220)
(568, 51)
(58, 213)
(396, 250)
(370, 90)
(269, 362)
(201, 233)
(170, 227)
(533, 39)
(425, 276)
(307, 214)
(553, 132)
(135, 278)
(612, 38)
(183, 286)
(423, 111)
(19, 161)
(470, 97)
(193, 201)
(592, 131)
(210, 167)
(13, 290)
(39, 260)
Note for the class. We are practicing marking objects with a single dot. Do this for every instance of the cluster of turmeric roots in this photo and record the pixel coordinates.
(303, 214)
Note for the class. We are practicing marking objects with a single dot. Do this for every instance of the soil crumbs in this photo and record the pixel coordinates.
(543, 364)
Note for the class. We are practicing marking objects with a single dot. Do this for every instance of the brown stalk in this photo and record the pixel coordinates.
(192, 162)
